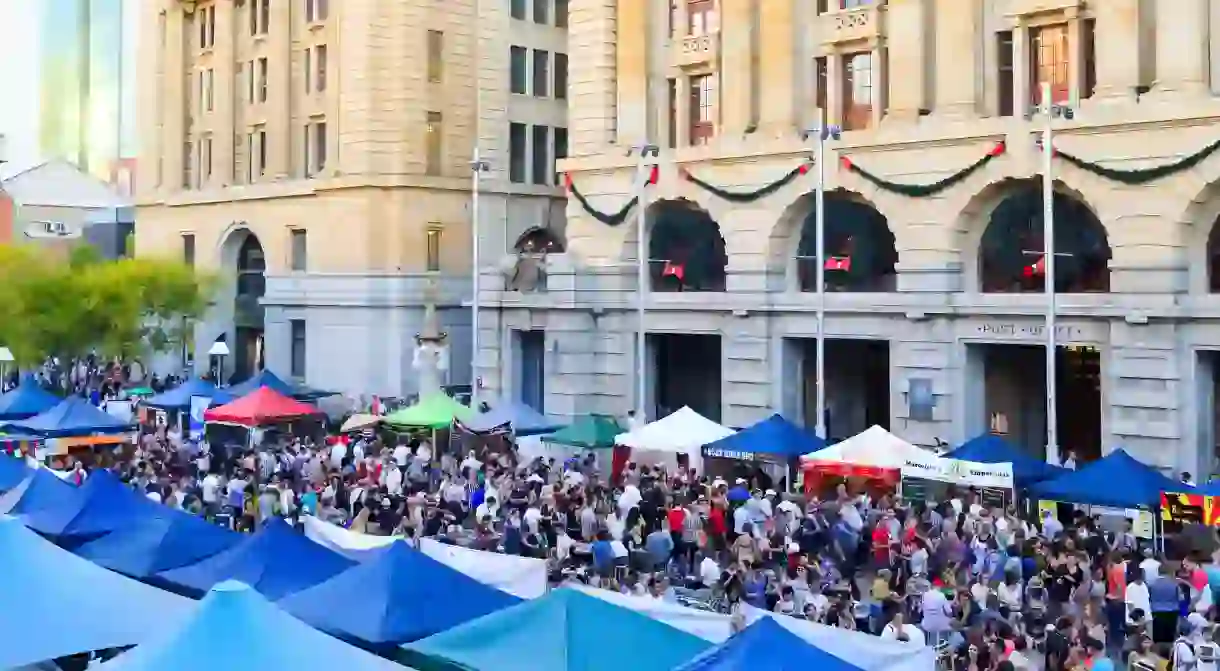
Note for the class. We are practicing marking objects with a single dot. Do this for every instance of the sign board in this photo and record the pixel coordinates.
(920, 489)
(1190, 508)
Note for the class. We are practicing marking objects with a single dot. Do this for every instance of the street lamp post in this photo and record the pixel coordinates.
(477, 167)
(821, 133)
(1048, 111)
(6, 358)
(220, 350)
(646, 155)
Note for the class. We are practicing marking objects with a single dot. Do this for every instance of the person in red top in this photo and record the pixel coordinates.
(881, 543)
(675, 519)
(716, 528)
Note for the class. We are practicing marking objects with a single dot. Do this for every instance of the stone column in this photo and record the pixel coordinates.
(878, 78)
(736, 67)
(1118, 41)
(1076, 55)
(225, 118)
(280, 134)
(632, 69)
(834, 82)
(905, 40)
(1181, 48)
(591, 75)
(777, 28)
(1021, 94)
(175, 98)
(957, 33)
(682, 112)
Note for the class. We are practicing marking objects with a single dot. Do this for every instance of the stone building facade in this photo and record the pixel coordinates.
(316, 154)
(924, 90)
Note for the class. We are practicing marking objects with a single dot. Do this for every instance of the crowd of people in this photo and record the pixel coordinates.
(993, 587)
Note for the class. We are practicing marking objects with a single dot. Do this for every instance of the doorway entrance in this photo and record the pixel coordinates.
(1015, 397)
(857, 385)
(687, 372)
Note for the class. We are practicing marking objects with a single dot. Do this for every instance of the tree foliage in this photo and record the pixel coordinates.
(49, 307)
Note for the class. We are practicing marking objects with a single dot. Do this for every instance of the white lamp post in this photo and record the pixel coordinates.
(6, 358)
(477, 167)
(219, 349)
(646, 155)
(821, 133)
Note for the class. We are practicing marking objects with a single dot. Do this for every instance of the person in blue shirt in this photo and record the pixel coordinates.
(603, 554)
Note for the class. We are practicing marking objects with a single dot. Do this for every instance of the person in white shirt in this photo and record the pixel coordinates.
(470, 463)
(211, 490)
(629, 499)
(154, 496)
(709, 572)
(1137, 596)
(358, 451)
(393, 480)
(531, 517)
(1150, 566)
(337, 454)
(402, 454)
(897, 630)
(489, 508)
(563, 545)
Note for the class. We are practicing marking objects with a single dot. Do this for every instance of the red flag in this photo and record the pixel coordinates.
(838, 263)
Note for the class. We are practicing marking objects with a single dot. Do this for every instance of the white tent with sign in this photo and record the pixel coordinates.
(878, 453)
(682, 432)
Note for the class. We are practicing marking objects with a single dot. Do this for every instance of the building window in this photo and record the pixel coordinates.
(320, 65)
(433, 245)
(436, 133)
(561, 76)
(821, 83)
(516, 9)
(188, 249)
(262, 80)
(308, 69)
(205, 159)
(299, 249)
(517, 69)
(702, 109)
(540, 155)
(260, 16)
(315, 148)
(561, 13)
(188, 153)
(1004, 72)
(542, 73)
(561, 148)
(540, 13)
(1088, 34)
(257, 148)
(298, 347)
(250, 81)
(672, 121)
(857, 91)
(209, 97)
(516, 153)
(207, 27)
(316, 10)
(701, 18)
(436, 55)
(1049, 63)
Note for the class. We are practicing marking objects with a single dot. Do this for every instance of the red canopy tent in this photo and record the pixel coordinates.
(263, 406)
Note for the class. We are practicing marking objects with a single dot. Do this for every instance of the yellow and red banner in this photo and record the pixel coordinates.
(1190, 508)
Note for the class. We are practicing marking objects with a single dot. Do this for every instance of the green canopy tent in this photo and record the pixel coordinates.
(434, 411)
(590, 432)
(583, 633)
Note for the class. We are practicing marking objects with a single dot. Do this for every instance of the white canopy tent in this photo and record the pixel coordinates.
(682, 432)
(876, 448)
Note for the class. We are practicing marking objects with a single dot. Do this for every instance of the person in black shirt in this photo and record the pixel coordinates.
(1058, 645)
(1065, 578)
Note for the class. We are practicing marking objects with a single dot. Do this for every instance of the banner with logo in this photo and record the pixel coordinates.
(199, 406)
(1190, 508)
(959, 472)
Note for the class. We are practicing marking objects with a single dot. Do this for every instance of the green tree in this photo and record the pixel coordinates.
(118, 308)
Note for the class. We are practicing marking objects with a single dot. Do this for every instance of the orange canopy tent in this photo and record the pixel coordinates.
(262, 406)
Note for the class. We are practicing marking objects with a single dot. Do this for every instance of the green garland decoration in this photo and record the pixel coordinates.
(924, 190)
(1141, 175)
(607, 218)
(747, 196)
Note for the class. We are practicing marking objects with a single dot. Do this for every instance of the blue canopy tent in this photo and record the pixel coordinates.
(1117, 480)
(524, 420)
(179, 398)
(766, 645)
(773, 435)
(41, 491)
(400, 596)
(150, 545)
(235, 629)
(101, 505)
(74, 416)
(266, 378)
(276, 561)
(57, 604)
(992, 449)
(12, 472)
(26, 400)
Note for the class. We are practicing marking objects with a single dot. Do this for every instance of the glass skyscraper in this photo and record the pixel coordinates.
(88, 85)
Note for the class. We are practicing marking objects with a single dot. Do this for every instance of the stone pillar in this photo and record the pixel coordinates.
(591, 72)
(632, 70)
(1076, 57)
(736, 66)
(957, 33)
(905, 41)
(682, 111)
(279, 92)
(175, 98)
(879, 77)
(1021, 94)
(777, 28)
(834, 82)
(1181, 48)
(1118, 41)
(225, 118)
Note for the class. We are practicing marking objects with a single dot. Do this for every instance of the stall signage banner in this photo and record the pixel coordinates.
(199, 406)
(1190, 508)
(709, 451)
(956, 471)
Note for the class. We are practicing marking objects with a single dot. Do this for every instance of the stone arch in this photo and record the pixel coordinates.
(685, 247)
(1002, 229)
(540, 240)
(243, 259)
(1201, 216)
(860, 246)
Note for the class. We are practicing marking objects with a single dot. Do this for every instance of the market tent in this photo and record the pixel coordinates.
(773, 435)
(434, 411)
(1116, 480)
(402, 595)
(681, 432)
(12, 472)
(57, 604)
(524, 420)
(992, 449)
(276, 561)
(41, 490)
(101, 505)
(266, 378)
(235, 629)
(576, 626)
(874, 452)
(26, 400)
(590, 432)
(179, 398)
(152, 544)
(766, 645)
(73, 416)
(262, 406)
(359, 422)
